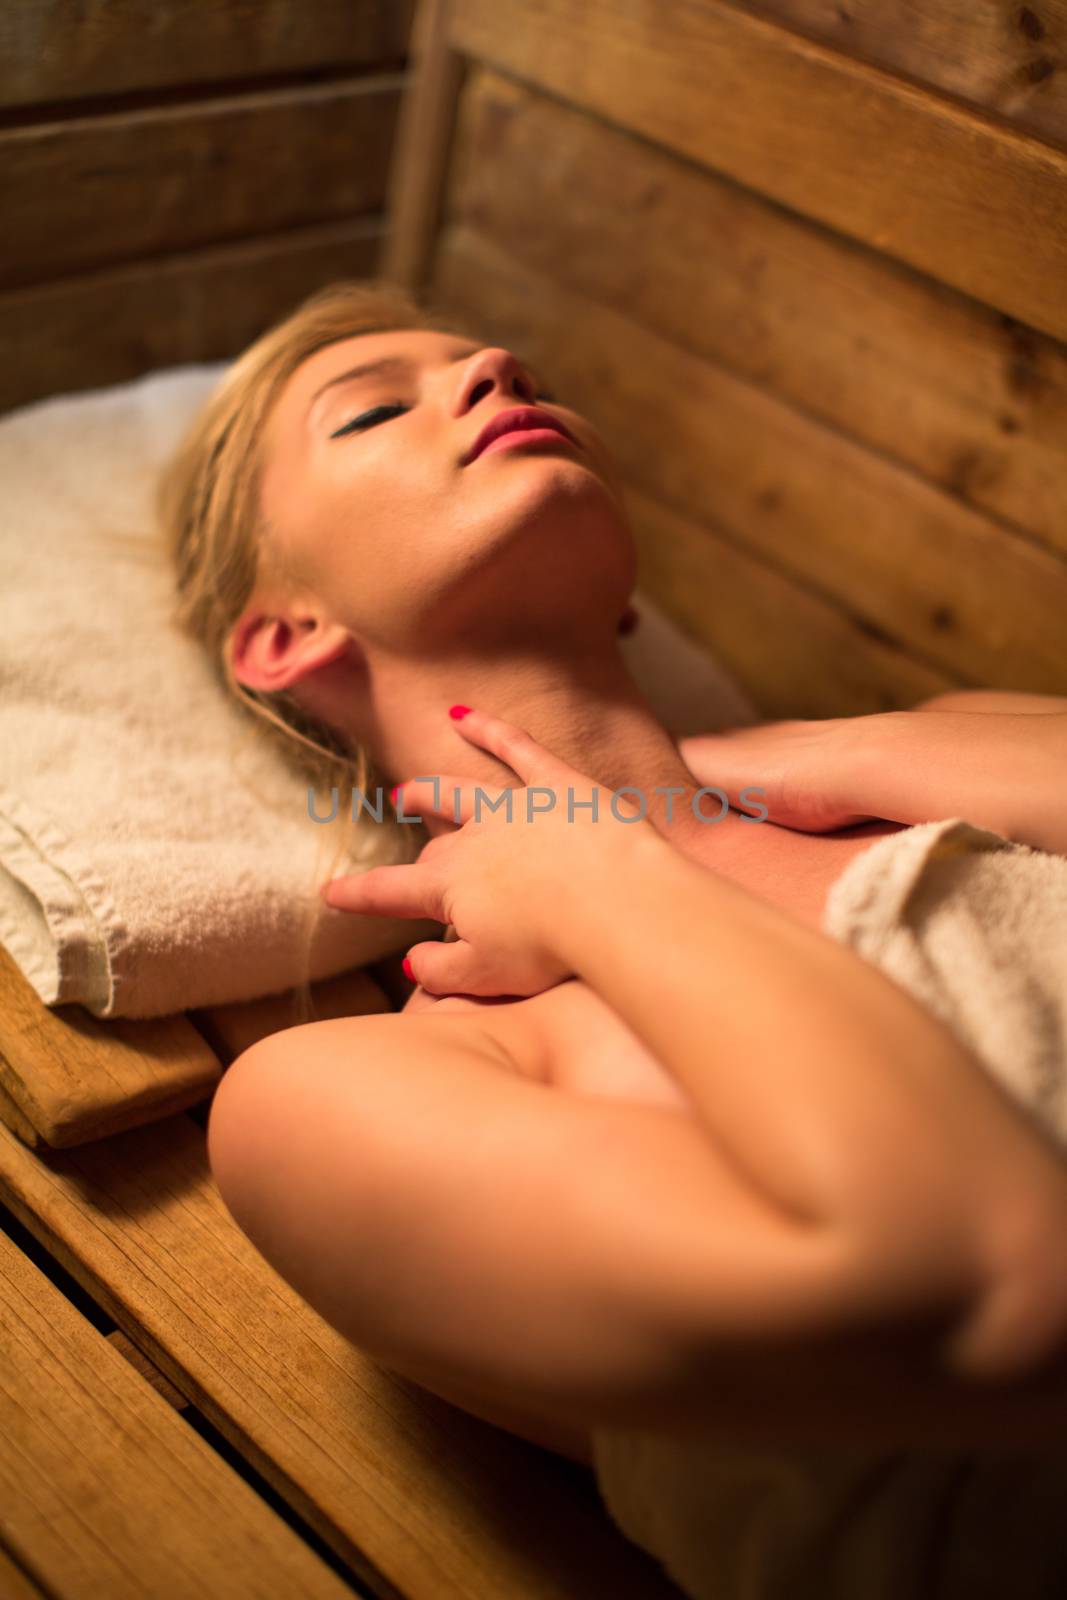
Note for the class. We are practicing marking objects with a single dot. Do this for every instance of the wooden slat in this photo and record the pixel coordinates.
(969, 398)
(792, 653)
(975, 204)
(104, 1491)
(48, 52)
(1006, 59)
(151, 1374)
(90, 191)
(423, 147)
(14, 1584)
(420, 1499)
(235, 1027)
(964, 595)
(113, 326)
(74, 1077)
(13, 1116)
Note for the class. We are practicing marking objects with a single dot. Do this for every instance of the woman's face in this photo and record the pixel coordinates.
(371, 507)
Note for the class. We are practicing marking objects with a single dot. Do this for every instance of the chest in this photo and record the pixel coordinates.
(570, 1038)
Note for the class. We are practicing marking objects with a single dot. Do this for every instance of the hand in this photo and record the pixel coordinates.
(1001, 770)
(810, 772)
(500, 881)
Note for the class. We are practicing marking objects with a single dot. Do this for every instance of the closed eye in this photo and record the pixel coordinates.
(366, 420)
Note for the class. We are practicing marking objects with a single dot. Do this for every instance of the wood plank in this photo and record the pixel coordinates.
(423, 147)
(967, 397)
(1005, 59)
(237, 1026)
(966, 596)
(204, 306)
(81, 194)
(13, 1116)
(944, 188)
(48, 53)
(151, 1374)
(142, 1505)
(14, 1584)
(420, 1499)
(791, 652)
(74, 1077)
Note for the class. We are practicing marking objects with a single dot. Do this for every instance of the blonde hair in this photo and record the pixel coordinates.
(209, 509)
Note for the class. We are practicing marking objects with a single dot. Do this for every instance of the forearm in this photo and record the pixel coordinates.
(829, 1088)
(1003, 770)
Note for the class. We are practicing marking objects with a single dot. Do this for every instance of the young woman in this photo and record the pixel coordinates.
(646, 1147)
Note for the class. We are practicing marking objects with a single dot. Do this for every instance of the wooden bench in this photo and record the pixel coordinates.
(315, 1468)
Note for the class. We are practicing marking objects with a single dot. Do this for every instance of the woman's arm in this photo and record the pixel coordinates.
(1002, 769)
(895, 1227)
(836, 1096)
(555, 1263)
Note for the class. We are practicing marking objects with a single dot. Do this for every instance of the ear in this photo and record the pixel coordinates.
(274, 647)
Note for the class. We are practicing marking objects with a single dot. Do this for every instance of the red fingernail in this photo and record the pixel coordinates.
(409, 975)
(458, 711)
(394, 791)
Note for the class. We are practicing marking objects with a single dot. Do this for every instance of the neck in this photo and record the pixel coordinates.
(584, 708)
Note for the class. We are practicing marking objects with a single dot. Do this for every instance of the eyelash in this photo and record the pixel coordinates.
(360, 424)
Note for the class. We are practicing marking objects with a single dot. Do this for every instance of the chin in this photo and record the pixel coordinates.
(556, 497)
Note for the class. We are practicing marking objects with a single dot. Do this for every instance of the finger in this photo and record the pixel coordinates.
(734, 758)
(451, 968)
(405, 891)
(731, 773)
(443, 795)
(511, 744)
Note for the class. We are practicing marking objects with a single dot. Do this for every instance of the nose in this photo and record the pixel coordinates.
(491, 369)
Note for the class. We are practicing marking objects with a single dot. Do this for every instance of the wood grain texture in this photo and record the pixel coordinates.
(793, 653)
(14, 1583)
(977, 205)
(85, 193)
(423, 146)
(235, 1027)
(962, 594)
(151, 1374)
(74, 1078)
(418, 1498)
(110, 47)
(1005, 58)
(111, 326)
(959, 393)
(13, 1116)
(140, 1505)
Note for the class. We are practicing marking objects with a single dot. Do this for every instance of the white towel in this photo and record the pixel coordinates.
(975, 927)
(155, 853)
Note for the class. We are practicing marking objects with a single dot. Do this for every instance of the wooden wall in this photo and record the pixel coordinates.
(174, 176)
(805, 267)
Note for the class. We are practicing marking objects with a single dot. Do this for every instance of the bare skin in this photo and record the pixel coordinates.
(417, 581)
(569, 1038)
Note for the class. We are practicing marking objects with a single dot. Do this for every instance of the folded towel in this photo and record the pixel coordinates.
(975, 927)
(156, 854)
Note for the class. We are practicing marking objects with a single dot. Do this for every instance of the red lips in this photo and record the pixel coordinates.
(515, 419)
